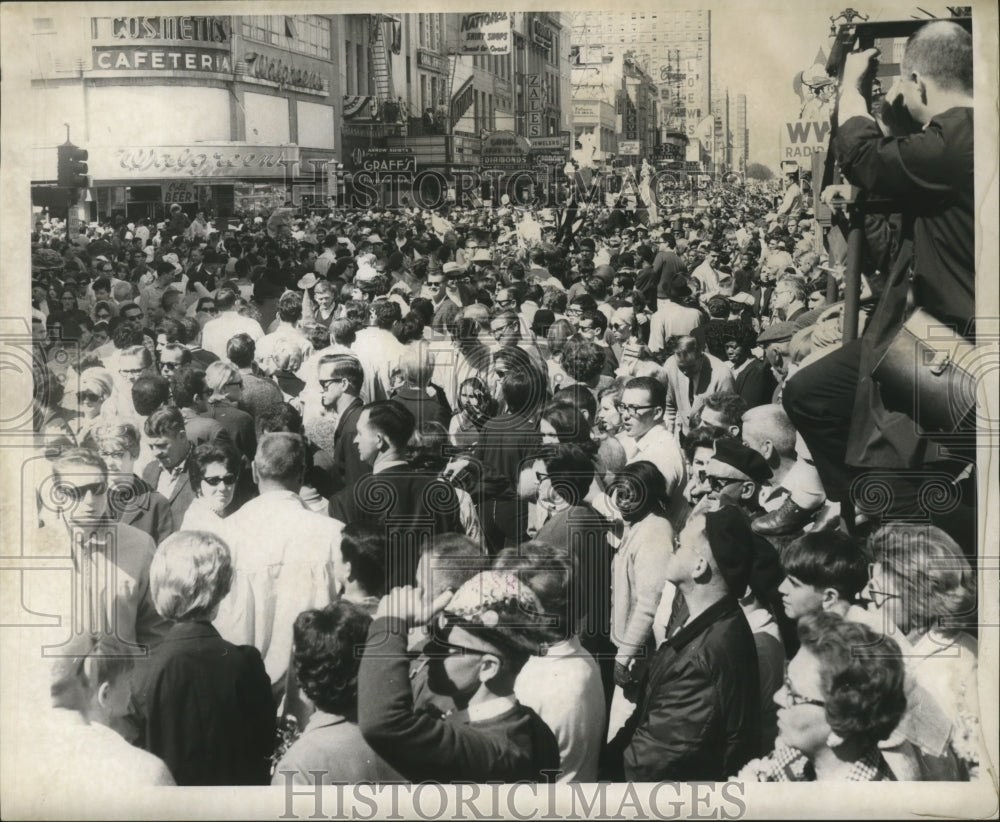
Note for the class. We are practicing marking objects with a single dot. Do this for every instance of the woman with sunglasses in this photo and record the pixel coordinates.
(843, 695)
(94, 410)
(213, 472)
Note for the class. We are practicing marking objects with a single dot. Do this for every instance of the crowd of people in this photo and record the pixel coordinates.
(404, 495)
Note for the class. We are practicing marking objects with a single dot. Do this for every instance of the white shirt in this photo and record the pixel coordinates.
(564, 689)
(671, 320)
(379, 352)
(218, 332)
(283, 555)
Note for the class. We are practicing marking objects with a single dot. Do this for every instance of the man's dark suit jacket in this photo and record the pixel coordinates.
(350, 467)
(183, 494)
(413, 507)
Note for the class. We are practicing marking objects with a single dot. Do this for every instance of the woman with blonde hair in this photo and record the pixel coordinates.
(224, 384)
(205, 704)
(921, 583)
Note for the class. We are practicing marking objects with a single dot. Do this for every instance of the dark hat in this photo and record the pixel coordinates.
(733, 547)
(777, 332)
(679, 290)
(498, 610)
(743, 458)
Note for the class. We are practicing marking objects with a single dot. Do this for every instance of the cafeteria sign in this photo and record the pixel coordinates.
(485, 32)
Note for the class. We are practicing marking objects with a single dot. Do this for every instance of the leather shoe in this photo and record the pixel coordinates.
(783, 521)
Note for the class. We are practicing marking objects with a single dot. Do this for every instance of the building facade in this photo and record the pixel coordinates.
(215, 112)
(674, 47)
(741, 136)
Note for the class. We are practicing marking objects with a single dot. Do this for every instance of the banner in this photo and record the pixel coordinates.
(485, 32)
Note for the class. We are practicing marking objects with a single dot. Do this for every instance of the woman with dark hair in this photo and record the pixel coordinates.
(559, 332)
(475, 407)
(326, 659)
(214, 471)
(639, 567)
(70, 315)
(843, 695)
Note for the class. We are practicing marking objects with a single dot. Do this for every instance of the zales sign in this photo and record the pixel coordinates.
(263, 67)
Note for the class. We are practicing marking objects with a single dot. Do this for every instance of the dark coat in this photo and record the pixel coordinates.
(238, 425)
(206, 708)
(183, 494)
(412, 507)
(514, 746)
(201, 429)
(930, 175)
(699, 714)
(350, 467)
(139, 505)
(756, 383)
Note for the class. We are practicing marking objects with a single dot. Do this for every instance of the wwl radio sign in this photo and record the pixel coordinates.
(801, 139)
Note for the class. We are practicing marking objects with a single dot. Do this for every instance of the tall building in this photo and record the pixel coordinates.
(741, 137)
(673, 47)
(723, 155)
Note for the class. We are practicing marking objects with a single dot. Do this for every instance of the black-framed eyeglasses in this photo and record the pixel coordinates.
(436, 284)
(228, 479)
(324, 384)
(583, 328)
(87, 396)
(78, 492)
(233, 383)
(169, 366)
(113, 455)
(793, 697)
(497, 332)
(506, 302)
(632, 410)
(876, 596)
(718, 483)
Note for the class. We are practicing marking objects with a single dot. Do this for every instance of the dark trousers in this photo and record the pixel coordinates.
(819, 401)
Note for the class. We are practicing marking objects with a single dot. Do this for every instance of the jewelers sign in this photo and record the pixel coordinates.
(486, 32)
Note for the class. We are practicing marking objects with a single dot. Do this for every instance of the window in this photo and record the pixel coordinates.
(301, 33)
(352, 86)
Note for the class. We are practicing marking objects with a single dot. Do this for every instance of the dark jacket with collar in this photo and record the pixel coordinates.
(137, 504)
(350, 467)
(514, 746)
(206, 708)
(183, 494)
(699, 715)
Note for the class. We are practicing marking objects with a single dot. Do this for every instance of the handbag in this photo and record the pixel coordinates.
(925, 374)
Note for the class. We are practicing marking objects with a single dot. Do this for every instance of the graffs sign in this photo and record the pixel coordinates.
(210, 161)
(265, 68)
(204, 29)
(140, 58)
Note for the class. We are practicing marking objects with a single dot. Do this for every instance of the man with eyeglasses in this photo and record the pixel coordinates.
(698, 717)
(479, 643)
(109, 559)
(641, 409)
(789, 299)
(340, 378)
(457, 295)
(734, 476)
(593, 326)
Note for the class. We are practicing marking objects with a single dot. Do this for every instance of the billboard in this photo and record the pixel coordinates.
(486, 32)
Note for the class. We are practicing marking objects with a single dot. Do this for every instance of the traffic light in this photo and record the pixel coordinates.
(72, 166)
